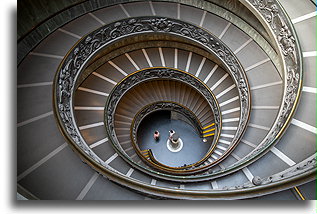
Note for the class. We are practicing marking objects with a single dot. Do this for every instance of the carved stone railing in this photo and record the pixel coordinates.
(234, 13)
(280, 28)
(78, 58)
(274, 19)
(170, 106)
(153, 74)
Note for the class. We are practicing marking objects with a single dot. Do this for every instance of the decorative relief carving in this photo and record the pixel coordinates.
(287, 42)
(278, 22)
(269, 9)
(273, 14)
(157, 73)
(161, 73)
(152, 74)
(291, 89)
(87, 47)
(161, 25)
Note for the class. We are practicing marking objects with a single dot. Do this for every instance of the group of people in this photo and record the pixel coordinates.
(157, 134)
(171, 132)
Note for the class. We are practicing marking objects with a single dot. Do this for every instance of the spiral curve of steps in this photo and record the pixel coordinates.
(45, 159)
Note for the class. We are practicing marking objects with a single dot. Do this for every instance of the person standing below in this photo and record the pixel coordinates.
(156, 135)
(172, 132)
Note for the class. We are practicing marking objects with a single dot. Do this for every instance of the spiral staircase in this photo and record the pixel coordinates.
(242, 72)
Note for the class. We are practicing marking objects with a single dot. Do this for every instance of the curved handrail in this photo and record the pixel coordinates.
(78, 57)
(150, 74)
(28, 42)
(287, 180)
(157, 106)
(297, 174)
(280, 27)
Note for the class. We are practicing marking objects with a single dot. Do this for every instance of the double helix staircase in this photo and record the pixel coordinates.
(85, 150)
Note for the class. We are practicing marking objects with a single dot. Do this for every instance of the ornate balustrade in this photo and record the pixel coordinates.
(152, 74)
(280, 30)
(76, 60)
(170, 106)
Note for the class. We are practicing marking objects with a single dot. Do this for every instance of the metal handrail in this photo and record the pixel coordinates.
(76, 60)
(158, 73)
(294, 75)
(157, 164)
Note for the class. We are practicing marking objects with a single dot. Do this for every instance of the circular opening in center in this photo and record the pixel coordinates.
(174, 141)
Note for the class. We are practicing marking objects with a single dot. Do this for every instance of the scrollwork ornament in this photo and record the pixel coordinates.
(271, 11)
(161, 24)
(76, 60)
(285, 37)
(164, 73)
